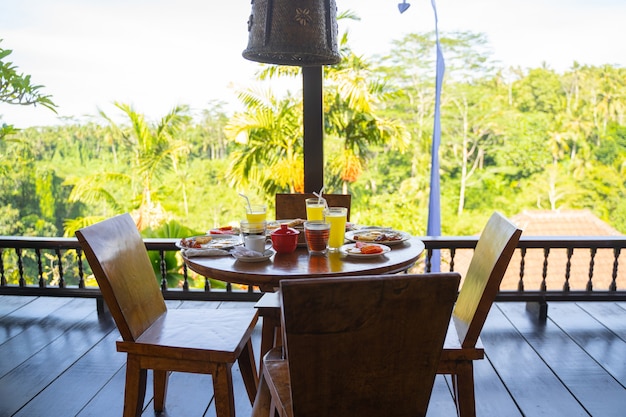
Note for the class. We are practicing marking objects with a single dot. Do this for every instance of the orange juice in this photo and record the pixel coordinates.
(336, 216)
(315, 211)
(256, 214)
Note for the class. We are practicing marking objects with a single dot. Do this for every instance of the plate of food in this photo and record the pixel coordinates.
(372, 235)
(224, 230)
(364, 250)
(209, 242)
(297, 224)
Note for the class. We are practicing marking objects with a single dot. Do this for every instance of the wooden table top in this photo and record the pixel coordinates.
(300, 264)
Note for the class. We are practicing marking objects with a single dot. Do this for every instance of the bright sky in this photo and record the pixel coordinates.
(155, 54)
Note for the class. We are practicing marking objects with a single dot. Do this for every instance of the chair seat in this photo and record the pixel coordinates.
(196, 335)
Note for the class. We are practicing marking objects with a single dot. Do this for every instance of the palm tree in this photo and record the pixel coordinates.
(269, 134)
(270, 130)
(155, 149)
(352, 101)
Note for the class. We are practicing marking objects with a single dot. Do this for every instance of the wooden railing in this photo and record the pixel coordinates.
(542, 269)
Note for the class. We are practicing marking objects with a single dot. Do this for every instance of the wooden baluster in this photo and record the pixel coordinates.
(452, 255)
(3, 279)
(20, 266)
(544, 274)
(522, 264)
(163, 268)
(61, 277)
(616, 253)
(185, 283)
(592, 263)
(429, 257)
(81, 274)
(42, 282)
(568, 269)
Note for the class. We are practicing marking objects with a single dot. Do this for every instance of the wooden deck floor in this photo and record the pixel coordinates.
(57, 358)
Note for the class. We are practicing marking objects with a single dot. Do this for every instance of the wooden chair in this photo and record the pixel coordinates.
(354, 345)
(490, 260)
(186, 340)
(292, 206)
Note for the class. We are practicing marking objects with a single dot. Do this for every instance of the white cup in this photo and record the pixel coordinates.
(256, 243)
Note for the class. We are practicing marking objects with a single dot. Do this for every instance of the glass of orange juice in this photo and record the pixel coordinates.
(256, 213)
(315, 208)
(336, 216)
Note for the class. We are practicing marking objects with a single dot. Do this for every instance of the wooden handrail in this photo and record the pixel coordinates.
(59, 247)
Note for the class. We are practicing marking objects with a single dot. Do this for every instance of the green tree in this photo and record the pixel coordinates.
(268, 138)
(17, 88)
(353, 101)
(153, 151)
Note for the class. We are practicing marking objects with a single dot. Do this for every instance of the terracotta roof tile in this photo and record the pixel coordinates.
(562, 223)
(557, 223)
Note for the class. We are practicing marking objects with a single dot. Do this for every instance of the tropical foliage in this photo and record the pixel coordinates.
(512, 139)
(16, 88)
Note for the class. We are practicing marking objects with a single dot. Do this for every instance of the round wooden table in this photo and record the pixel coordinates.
(299, 264)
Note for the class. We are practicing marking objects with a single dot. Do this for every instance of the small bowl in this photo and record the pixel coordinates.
(285, 239)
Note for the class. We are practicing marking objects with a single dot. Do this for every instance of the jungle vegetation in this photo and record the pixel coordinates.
(512, 139)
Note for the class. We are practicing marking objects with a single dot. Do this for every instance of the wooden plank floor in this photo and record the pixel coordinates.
(58, 358)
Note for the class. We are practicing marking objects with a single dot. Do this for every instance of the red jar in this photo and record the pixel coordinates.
(285, 239)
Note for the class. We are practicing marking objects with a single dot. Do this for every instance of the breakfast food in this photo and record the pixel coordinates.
(225, 230)
(378, 236)
(195, 242)
(296, 223)
(363, 248)
(371, 249)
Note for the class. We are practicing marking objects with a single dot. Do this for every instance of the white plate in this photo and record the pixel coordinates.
(380, 233)
(216, 242)
(266, 255)
(275, 224)
(351, 250)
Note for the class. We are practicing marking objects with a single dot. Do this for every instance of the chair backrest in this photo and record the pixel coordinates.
(119, 260)
(490, 260)
(292, 206)
(365, 346)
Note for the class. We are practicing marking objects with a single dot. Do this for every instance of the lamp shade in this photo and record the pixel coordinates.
(293, 32)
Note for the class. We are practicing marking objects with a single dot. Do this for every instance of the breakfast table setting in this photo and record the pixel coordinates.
(260, 253)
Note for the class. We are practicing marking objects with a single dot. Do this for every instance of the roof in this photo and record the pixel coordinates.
(562, 223)
(557, 223)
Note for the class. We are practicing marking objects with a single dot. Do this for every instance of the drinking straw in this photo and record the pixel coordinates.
(247, 201)
(319, 197)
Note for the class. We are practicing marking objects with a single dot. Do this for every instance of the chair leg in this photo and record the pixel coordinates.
(135, 391)
(223, 391)
(463, 383)
(249, 374)
(261, 407)
(268, 331)
(161, 379)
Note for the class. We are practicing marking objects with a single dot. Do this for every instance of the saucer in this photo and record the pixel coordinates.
(266, 255)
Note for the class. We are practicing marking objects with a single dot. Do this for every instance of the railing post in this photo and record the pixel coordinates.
(616, 253)
(3, 279)
(592, 263)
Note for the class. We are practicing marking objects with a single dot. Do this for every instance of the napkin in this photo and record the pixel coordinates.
(191, 252)
(248, 253)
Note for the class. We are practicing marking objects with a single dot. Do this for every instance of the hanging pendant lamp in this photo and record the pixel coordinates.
(293, 32)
